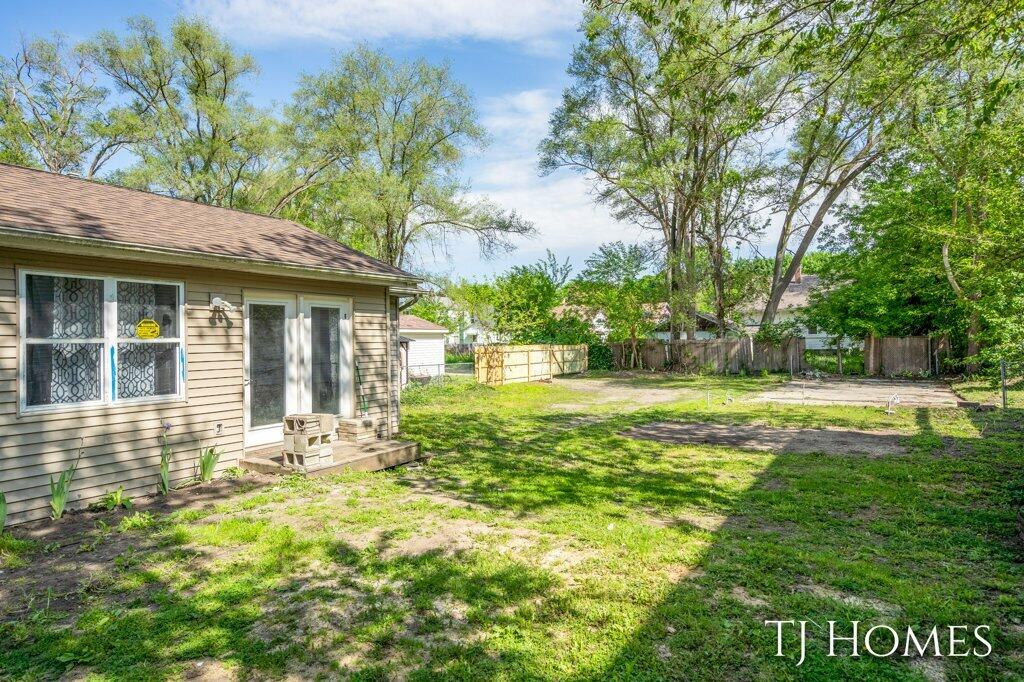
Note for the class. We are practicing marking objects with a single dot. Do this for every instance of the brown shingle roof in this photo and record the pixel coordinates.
(418, 323)
(58, 205)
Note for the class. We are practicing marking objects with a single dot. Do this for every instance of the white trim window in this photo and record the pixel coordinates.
(99, 340)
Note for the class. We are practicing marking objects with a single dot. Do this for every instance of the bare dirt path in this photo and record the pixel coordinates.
(756, 437)
(624, 389)
(860, 391)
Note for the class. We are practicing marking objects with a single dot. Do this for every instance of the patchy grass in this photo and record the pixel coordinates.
(540, 543)
(989, 390)
(12, 550)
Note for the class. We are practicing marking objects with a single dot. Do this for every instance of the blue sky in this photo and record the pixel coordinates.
(511, 55)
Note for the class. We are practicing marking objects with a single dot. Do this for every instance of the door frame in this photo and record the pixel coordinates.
(271, 433)
(346, 305)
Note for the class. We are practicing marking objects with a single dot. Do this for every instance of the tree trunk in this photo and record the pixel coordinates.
(973, 345)
(719, 279)
(772, 307)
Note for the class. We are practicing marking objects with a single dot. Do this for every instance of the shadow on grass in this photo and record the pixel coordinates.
(923, 539)
(285, 606)
(918, 542)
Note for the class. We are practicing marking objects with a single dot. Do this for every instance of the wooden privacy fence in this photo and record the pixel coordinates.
(716, 355)
(898, 355)
(496, 365)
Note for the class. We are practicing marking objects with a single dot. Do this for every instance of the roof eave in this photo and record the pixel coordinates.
(31, 239)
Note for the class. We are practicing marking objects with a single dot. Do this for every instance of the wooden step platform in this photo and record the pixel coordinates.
(372, 456)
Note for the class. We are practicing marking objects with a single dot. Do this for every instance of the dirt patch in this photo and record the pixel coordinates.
(708, 522)
(862, 391)
(619, 390)
(767, 438)
(78, 551)
(208, 670)
(883, 608)
(741, 595)
(679, 573)
(932, 669)
(453, 536)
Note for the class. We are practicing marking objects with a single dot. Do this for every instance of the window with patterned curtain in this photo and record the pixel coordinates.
(73, 355)
(147, 367)
(64, 340)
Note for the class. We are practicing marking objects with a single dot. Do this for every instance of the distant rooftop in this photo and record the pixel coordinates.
(413, 323)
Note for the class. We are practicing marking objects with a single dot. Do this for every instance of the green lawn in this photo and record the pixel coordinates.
(541, 544)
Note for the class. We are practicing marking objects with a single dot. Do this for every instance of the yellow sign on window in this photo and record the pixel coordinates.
(147, 329)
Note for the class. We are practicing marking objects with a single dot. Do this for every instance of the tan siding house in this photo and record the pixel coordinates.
(122, 311)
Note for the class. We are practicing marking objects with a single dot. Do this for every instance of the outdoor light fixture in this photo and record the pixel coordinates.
(218, 303)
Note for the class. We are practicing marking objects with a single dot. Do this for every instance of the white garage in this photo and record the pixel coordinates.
(422, 348)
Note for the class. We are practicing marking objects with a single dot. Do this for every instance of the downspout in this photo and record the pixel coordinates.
(392, 348)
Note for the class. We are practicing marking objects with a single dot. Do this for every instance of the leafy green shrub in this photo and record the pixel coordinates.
(3, 511)
(451, 358)
(775, 334)
(599, 356)
(451, 387)
(208, 459)
(708, 369)
(827, 362)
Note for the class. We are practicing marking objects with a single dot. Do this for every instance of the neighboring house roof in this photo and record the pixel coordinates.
(659, 313)
(418, 324)
(797, 296)
(705, 321)
(47, 204)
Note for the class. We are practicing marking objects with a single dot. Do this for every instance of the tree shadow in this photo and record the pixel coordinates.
(282, 606)
(919, 541)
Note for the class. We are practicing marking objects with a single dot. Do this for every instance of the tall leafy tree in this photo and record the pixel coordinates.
(936, 246)
(738, 197)
(416, 124)
(199, 137)
(863, 65)
(54, 113)
(655, 97)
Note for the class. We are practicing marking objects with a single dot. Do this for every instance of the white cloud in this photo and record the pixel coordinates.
(561, 205)
(531, 22)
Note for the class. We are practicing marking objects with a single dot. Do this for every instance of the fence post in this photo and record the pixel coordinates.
(791, 374)
(1002, 379)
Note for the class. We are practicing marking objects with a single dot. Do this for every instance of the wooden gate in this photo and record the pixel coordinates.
(900, 355)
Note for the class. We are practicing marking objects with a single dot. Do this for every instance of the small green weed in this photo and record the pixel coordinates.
(164, 483)
(60, 488)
